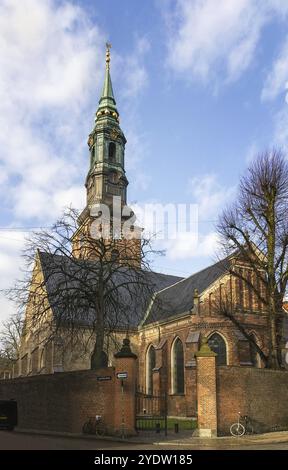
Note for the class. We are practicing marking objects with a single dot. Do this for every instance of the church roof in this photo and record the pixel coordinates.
(68, 280)
(178, 298)
(163, 297)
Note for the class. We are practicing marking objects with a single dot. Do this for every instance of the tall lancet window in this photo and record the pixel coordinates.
(218, 345)
(112, 152)
(150, 364)
(177, 369)
(93, 153)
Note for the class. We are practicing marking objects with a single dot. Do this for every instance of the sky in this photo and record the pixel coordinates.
(201, 87)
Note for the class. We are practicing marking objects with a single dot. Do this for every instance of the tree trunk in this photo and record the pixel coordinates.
(273, 360)
(97, 355)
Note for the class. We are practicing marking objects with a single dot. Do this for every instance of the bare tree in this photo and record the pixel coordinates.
(256, 227)
(99, 287)
(10, 334)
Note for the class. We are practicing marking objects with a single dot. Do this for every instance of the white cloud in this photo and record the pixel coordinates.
(131, 69)
(252, 152)
(277, 80)
(209, 194)
(11, 244)
(46, 49)
(281, 129)
(207, 37)
(51, 66)
(174, 228)
(210, 197)
(187, 245)
(48, 80)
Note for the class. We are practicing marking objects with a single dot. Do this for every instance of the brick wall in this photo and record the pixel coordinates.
(177, 405)
(64, 401)
(259, 393)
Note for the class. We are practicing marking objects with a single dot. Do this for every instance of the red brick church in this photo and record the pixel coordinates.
(180, 312)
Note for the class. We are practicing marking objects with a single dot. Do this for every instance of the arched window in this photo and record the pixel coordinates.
(150, 364)
(254, 356)
(112, 152)
(217, 344)
(177, 367)
(42, 358)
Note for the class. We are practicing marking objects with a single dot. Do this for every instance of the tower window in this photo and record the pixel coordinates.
(92, 155)
(112, 152)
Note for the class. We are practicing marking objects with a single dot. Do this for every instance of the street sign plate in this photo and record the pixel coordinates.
(122, 375)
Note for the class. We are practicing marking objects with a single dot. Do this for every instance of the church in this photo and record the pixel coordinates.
(164, 339)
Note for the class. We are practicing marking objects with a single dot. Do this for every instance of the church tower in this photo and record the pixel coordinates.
(106, 179)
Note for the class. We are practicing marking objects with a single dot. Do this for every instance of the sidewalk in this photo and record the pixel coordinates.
(184, 438)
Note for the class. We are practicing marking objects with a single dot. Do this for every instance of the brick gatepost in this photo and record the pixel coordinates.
(125, 391)
(206, 391)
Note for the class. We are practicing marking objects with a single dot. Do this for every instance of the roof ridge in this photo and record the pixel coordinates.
(191, 275)
(166, 274)
(45, 253)
(210, 266)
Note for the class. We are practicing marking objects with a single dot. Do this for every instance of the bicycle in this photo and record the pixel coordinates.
(95, 426)
(243, 426)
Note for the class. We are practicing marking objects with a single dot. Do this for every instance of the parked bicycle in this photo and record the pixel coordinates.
(243, 426)
(95, 426)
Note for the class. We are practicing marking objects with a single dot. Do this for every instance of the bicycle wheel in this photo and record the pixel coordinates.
(237, 429)
(88, 428)
(100, 432)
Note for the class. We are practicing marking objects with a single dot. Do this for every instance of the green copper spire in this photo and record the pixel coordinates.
(107, 103)
(107, 89)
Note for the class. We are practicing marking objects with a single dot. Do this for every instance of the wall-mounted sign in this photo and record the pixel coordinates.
(104, 377)
(122, 375)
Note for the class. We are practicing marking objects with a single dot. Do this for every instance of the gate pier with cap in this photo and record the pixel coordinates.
(125, 390)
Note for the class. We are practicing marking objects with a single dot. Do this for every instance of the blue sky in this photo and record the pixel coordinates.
(201, 87)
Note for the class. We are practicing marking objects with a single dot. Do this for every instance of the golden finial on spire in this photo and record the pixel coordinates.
(108, 47)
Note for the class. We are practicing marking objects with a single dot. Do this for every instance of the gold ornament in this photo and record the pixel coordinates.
(113, 134)
(90, 141)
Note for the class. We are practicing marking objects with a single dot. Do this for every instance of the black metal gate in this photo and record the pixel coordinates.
(151, 411)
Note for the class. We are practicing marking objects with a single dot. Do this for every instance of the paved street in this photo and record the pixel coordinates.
(21, 441)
